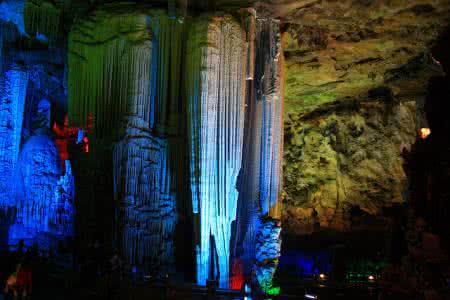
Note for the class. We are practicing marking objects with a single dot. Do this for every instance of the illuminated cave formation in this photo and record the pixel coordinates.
(126, 71)
(260, 179)
(153, 97)
(13, 84)
(130, 62)
(176, 118)
(216, 96)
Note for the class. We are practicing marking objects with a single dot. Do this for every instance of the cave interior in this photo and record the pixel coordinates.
(226, 143)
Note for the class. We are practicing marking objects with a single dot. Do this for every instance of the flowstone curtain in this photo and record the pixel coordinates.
(215, 75)
(124, 71)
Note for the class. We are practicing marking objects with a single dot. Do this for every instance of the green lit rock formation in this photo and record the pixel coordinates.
(356, 76)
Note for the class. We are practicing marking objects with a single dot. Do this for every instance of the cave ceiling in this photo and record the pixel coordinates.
(335, 50)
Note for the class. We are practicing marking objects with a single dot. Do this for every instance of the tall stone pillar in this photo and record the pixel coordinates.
(215, 86)
(124, 71)
(256, 238)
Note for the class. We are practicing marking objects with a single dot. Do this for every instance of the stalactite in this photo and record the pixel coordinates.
(104, 71)
(42, 17)
(249, 19)
(123, 62)
(259, 185)
(125, 70)
(216, 60)
(268, 90)
(43, 198)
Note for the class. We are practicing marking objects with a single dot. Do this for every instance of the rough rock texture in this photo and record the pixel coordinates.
(337, 49)
(36, 180)
(356, 75)
(268, 250)
(348, 156)
(143, 187)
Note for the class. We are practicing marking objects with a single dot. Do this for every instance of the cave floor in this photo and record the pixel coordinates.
(143, 292)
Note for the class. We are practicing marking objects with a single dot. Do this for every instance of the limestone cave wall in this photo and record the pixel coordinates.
(356, 80)
(343, 158)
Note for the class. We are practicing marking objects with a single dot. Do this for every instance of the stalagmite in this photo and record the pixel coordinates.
(125, 67)
(268, 250)
(104, 71)
(142, 181)
(216, 60)
(36, 179)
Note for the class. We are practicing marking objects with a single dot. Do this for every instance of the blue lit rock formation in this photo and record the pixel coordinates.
(216, 60)
(63, 209)
(12, 11)
(36, 201)
(267, 252)
(43, 198)
(13, 84)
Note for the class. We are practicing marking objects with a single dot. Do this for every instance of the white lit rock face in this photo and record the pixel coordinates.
(122, 73)
(216, 66)
(126, 70)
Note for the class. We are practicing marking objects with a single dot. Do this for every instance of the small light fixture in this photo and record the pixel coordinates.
(322, 276)
(371, 278)
(424, 132)
(310, 296)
